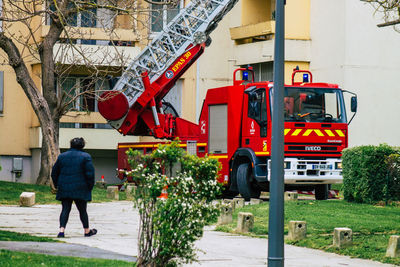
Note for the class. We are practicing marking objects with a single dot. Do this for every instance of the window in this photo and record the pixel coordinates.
(80, 96)
(84, 18)
(262, 71)
(257, 108)
(1, 92)
(161, 15)
(314, 105)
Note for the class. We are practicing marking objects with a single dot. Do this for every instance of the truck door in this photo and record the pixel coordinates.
(255, 128)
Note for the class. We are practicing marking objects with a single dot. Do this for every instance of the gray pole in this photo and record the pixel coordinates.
(276, 204)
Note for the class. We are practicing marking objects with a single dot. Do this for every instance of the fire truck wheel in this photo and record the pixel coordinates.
(246, 188)
(321, 192)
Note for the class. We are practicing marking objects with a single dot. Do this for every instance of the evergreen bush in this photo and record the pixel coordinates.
(369, 173)
(168, 227)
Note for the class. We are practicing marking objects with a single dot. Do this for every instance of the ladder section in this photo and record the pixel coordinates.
(190, 27)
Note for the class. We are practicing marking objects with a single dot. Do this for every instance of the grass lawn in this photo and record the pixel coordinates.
(372, 225)
(9, 193)
(14, 236)
(22, 259)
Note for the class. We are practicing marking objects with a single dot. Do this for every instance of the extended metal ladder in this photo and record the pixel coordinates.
(191, 26)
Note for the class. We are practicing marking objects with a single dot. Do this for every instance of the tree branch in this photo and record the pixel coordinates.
(389, 23)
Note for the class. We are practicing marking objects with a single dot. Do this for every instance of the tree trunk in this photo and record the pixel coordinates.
(48, 156)
(50, 149)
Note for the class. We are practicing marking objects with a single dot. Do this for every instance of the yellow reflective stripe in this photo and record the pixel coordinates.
(296, 132)
(329, 132)
(261, 153)
(286, 131)
(307, 133)
(318, 132)
(218, 157)
(201, 144)
(137, 146)
(340, 133)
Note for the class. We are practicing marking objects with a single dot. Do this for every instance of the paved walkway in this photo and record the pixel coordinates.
(117, 223)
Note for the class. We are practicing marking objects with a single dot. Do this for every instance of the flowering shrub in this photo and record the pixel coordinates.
(169, 227)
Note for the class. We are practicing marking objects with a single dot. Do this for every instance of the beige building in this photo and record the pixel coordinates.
(337, 40)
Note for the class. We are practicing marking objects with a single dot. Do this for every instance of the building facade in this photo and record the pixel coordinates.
(338, 41)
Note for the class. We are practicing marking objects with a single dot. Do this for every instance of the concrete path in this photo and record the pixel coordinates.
(117, 223)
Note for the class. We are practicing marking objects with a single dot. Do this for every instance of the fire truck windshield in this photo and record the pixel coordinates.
(314, 105)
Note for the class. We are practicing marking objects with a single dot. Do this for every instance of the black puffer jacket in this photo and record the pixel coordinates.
(73, 175)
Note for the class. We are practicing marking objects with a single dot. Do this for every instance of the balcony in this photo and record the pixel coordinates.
(101, 53)
(259, 39)
(254, 32)
(95, 138)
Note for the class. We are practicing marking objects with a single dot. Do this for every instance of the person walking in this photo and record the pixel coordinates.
(73, 176)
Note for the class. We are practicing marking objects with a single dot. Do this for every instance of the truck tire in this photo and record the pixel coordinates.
(246, 189)
(321, 192)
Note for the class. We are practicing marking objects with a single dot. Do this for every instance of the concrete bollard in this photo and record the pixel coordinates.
(297, 230)
(393, 249)
(112, 192)
(291, 196)
(27, 199)
(226, 215)
(230, 202)
(245, 222)
(239, 202)
(255, 201)
(100, 184)
(130, 191)
(342, 237)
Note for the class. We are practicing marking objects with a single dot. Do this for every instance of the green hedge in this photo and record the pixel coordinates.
(371, 174)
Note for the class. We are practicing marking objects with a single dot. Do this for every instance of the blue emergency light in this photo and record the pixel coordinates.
(245, 75)
(306, 78)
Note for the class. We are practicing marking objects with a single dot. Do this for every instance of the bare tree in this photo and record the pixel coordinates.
(57, 35)
(390, 10)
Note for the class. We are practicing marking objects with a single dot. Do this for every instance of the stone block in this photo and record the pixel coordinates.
(297, 230)
(245, 222)
(27, 199)
(342, 237)
(113, 192)
(255, 201)
(226, 215)
(291, 196)
(239, 202)
(264, 195)
(130, 191)
(393, 249)
(229, 202)
(101, 185)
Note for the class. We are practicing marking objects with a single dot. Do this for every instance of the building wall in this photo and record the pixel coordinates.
(20, 135)
(16, 118)
(350, 50)
(7, 174)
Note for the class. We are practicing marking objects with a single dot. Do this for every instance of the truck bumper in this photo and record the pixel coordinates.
(307, 171)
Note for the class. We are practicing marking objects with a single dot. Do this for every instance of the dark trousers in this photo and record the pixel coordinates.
(66, 209)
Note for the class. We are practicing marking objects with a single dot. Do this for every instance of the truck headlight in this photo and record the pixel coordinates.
(338, 165)
(286, 165)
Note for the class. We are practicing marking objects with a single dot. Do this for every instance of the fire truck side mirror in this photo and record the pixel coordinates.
(353, 104)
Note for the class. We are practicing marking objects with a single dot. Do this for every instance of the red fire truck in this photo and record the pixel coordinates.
(235, 121)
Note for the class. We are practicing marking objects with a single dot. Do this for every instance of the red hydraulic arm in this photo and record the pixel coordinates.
(145, 117)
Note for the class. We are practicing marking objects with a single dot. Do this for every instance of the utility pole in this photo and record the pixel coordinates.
(276, 202)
